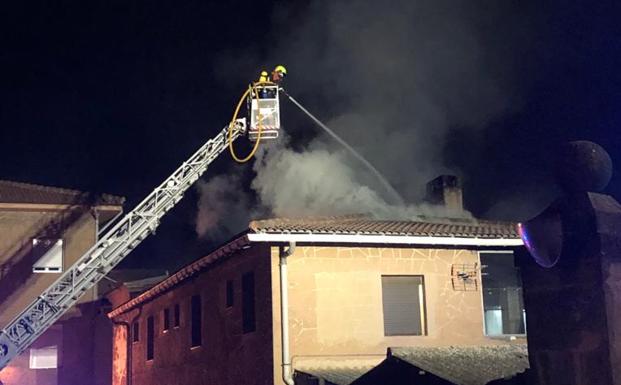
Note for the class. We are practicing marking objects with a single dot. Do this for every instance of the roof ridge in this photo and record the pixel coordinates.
(41, 187)
(66, 193)
(358, 217)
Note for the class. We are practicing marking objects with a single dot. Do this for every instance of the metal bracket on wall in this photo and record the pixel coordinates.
(464, 276)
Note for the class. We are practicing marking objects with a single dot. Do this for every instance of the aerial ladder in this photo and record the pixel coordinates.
(262, 99)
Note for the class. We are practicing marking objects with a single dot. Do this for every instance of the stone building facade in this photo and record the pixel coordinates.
(355, 287)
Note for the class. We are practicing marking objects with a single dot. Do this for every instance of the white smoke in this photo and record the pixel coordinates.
(223, 207)
(312, 182)
(317, 181)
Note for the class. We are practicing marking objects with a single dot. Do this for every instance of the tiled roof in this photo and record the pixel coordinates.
(337, 371)
(185, 273)
(334, 225)
(136, 280)
(18, 192)
(358, 224)
(466, 365)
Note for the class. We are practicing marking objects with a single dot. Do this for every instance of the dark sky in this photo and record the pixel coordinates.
(111, 96)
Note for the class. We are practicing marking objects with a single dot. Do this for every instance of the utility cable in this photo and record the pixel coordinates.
(387, 186)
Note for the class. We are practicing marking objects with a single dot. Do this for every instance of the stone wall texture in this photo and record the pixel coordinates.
(335, 302)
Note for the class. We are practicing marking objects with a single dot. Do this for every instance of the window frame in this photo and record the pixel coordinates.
(480, 277)
(39, 267)
(32, 365)
(422, 305)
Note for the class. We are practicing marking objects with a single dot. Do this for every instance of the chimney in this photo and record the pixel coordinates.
(445, 190)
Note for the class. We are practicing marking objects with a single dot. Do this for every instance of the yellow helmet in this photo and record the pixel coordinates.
(263, 73)
(281, 69)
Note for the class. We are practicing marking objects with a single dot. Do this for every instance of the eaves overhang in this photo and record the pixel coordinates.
(383, 239)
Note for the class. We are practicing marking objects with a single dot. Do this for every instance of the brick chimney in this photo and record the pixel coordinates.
(446, 190)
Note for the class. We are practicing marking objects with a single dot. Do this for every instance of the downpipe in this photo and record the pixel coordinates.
(287, 373)
(129, 346)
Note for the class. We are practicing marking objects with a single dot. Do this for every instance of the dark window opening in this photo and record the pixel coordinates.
(135, 332)
(150, 335)
(229, 293)
(403, 302)
(502, 295)
(196, 320)
(166, 319)
(177, 316)
(248, 304)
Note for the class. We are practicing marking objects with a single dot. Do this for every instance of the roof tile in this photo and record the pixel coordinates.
(466, 228)
(467, 365)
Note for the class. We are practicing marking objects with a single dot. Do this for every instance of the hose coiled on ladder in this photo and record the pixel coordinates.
(252, 90)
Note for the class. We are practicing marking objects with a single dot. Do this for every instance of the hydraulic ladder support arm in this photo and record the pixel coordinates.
(110, 249)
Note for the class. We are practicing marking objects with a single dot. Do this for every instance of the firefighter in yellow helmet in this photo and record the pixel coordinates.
(279, 74)
(264, 77)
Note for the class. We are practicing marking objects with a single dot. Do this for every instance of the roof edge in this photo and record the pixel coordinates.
(100, 198)
(183, 274)
(384, 239)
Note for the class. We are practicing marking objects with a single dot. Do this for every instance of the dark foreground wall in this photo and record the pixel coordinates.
(227, 354)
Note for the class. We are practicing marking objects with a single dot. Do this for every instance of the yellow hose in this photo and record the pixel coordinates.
(251, 89)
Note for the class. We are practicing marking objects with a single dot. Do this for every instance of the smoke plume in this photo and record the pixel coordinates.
(222, 208)
(393, 81)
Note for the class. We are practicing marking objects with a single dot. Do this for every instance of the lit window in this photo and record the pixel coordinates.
(502, 295)
(48, 254)
(44, 358)
(403, 301)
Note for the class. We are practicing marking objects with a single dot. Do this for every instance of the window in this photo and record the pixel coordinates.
(177, 316)
(150, 335)
(135, 332)
(403, 302)
(166, 319)
(196, 320)
(48, 254)
(502, 295)
(248, 316)
(229, 293)
(44, 358)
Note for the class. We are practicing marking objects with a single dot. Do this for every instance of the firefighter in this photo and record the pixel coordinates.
(279, 74)
(264, 77)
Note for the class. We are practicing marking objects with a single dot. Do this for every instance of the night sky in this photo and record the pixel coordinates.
(111, 96)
